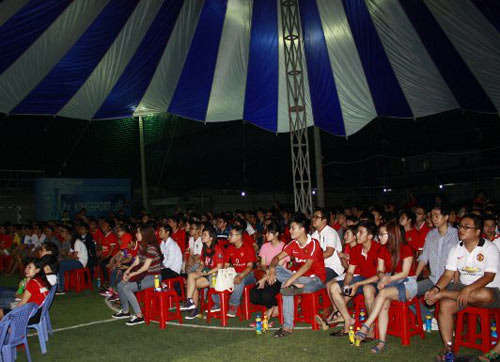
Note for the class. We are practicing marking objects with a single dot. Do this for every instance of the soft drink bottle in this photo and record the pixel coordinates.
(351, 335)
(265, 324)
(357, 342)
(362, 315)
(157, 283)
(449, 356)
(213, 280)
(22, 285)
(428, 322)
(258, 324)
(494, 334)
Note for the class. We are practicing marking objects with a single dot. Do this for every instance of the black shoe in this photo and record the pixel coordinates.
(193, 314)
(189, 305)
(121, 315)
(135, 320)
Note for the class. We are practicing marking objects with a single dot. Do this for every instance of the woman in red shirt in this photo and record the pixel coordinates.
(397, 281)
(35, 291)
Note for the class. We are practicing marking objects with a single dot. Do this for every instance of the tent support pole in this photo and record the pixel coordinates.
(297, 117)
(143, 165)
(318, 161)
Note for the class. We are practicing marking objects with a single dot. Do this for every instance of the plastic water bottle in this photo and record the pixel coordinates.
(357, 342)
(265, 324)
(258, 324)
(362, 315)
(157, 283)
(494, 334)
(449, 356)
(428, 323)
(351, 335)
(98, 282)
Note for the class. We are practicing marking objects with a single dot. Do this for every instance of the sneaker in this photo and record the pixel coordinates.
(121, 315)
(135, 320)
(215, 308)
(189, 305)
(232, 311)
(60, 292)
(114, 297)
(434, 325)
(193, 314)
(106, 294)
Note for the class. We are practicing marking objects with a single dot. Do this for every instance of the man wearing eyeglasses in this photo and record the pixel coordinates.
(476, 260)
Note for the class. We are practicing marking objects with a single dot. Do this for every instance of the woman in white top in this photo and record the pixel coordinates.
(76, 259)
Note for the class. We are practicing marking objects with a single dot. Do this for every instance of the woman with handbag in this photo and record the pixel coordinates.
(212, 259)
(140, 275)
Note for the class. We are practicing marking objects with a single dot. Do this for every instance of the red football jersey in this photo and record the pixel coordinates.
(366, 262)
(37, 290)
(216, 258)
(180, 238)
(413, 239)
(310, 251)
(239, 257)
(109, 244)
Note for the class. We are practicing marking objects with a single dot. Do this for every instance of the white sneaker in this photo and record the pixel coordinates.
(435, 326)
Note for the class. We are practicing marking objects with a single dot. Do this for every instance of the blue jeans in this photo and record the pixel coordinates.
(311, 285)
(235, 297)
(65, 266)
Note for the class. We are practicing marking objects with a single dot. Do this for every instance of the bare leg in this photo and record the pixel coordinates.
(369, 294)
(447, 309)
(191, 285)
(341, 304)
(385, 294)
(383, 321)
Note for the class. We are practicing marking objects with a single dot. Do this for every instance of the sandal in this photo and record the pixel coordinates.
(280, 333)
(332, 317)
(489, 357)
(360, 336)
(375, 349)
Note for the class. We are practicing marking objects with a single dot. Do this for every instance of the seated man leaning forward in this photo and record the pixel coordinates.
(476, 260)
(309, 270)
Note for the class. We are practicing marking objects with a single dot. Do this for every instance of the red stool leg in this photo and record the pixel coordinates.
(163, 308)
(405, 340)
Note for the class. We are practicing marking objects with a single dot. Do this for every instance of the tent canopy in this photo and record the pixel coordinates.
(220, 60)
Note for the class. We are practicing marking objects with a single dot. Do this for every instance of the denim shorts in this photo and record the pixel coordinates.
(356, 279)
(408, 284)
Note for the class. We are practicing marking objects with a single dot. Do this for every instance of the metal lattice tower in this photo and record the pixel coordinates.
(290, 22)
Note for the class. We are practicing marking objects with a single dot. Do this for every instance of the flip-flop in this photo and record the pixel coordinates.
(375, 348)
(280, 333)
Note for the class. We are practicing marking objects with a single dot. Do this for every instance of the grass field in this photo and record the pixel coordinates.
(113, 341)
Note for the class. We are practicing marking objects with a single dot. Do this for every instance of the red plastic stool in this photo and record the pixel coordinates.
(77, 280)
(468, 317)
(403, 323)
(246, 308)
(306, 305)
(358, 303)
(224, 306)
(157, 306)
(170, 283)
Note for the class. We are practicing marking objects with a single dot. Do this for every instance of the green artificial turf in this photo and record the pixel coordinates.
(113, 341)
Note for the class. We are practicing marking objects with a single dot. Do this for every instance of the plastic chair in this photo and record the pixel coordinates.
(170, 282)
(403, 323)
(42, 327)
(77, 280)
(157, 305)
(18, 331)
(466, 334)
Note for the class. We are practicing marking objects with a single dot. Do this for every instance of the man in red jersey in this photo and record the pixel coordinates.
(178, 233)
(310, 271)
(362, 271)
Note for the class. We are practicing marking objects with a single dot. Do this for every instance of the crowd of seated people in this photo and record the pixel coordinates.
(441, 255)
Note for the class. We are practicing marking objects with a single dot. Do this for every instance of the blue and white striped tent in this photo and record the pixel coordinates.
(220, 60)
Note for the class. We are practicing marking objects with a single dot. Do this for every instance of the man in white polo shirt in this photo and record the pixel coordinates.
(477, 261)
(329, 241)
